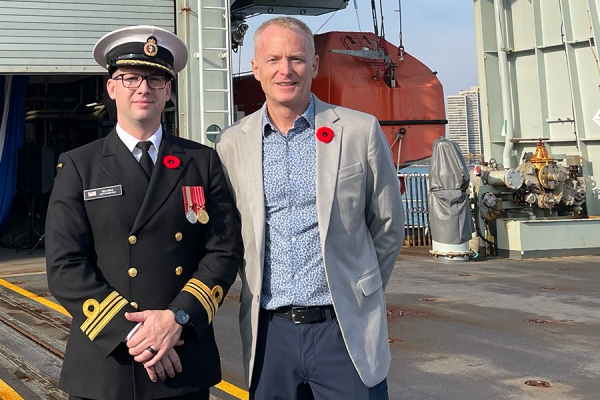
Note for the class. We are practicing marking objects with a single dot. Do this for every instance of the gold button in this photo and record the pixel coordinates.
(178, 270)
(178, 236)
(134, 305)
(132, 272)
(132, 239)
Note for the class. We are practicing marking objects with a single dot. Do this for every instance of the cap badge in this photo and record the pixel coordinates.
(151, 48)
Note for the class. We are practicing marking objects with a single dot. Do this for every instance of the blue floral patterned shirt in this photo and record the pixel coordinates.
(294, 271)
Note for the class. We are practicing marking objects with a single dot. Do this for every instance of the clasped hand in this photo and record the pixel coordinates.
(159, 332)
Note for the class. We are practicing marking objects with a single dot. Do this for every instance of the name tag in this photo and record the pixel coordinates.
(100, 193)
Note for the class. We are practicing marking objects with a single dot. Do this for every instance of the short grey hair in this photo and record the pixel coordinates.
(290, 24)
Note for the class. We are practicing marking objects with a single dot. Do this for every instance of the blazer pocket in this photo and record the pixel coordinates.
(349, 171)
(370, 283)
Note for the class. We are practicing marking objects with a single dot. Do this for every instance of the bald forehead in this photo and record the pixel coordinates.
(274, 32)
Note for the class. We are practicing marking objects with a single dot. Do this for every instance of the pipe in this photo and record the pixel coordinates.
(510, 178)
(507, 129)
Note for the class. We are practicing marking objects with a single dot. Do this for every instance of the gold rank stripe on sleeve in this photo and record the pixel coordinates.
(99, 314)
(209, 299)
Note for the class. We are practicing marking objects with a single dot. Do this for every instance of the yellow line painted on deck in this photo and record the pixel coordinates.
(224, 386)
(35, 297)
(25, 274)
(232, 390)
(7, 393)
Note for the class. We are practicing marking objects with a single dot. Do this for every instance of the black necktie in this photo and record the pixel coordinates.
(145, 161)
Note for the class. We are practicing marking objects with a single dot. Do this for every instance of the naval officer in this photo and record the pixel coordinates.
(142, 239)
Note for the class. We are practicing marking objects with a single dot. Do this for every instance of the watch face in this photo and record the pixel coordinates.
(181, 317)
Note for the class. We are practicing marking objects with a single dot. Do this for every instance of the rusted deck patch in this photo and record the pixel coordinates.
(540, 321)
(537, 382)
(397, 312)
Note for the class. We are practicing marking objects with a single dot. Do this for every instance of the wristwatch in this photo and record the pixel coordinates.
(181, 317)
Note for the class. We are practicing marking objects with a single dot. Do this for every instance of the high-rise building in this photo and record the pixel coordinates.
(464, 123)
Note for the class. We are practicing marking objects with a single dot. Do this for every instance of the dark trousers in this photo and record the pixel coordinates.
(306, 362)
(203, 395)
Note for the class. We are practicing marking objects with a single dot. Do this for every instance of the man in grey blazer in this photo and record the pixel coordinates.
(322, 225)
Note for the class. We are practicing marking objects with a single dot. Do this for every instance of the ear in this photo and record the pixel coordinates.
(255, 69)
(315, 66)
(168, 91)
(111, 89)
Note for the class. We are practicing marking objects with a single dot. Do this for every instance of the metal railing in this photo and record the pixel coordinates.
(416, 210)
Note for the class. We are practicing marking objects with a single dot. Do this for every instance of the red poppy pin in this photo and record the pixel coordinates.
(171, 162)
(325, 134)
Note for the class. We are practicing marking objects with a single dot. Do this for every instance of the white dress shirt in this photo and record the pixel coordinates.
(131, 141)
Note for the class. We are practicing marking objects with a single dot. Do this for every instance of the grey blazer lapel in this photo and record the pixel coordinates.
(249, 145)
(328, 159)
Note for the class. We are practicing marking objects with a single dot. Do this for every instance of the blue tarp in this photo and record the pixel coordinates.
(12, 142)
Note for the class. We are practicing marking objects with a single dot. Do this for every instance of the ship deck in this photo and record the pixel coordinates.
(458, 330)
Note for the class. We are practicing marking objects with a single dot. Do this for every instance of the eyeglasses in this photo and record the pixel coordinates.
(134, 81)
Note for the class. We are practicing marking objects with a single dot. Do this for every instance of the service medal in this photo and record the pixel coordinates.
(195, 204)
(188, 205)
(202, 215)
(191, 216)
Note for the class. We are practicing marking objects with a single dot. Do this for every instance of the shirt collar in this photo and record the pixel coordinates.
(131, 141)
(308, 115)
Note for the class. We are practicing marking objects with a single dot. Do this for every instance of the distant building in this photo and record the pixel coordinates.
(464, 122)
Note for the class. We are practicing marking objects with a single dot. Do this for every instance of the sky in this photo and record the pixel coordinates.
(439, 33)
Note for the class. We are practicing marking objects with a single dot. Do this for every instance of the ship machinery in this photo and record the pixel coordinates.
(542, 187)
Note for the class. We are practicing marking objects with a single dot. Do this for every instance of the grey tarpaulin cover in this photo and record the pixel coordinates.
(449, 210)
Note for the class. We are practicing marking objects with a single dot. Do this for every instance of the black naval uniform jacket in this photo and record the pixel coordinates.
(137, 251)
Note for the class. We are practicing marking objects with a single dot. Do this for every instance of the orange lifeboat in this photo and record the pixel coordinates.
(405, 96)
